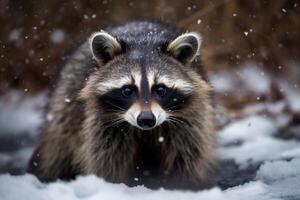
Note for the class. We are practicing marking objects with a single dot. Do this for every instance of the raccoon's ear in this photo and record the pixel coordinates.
(104, 46)
(185, 47)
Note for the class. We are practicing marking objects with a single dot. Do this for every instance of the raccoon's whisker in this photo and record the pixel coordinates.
(117, 111)
(176, 120)
(111, 123)
(172, 120)
(122, 109)
(173, 123)
(111, 120)
(115, 120)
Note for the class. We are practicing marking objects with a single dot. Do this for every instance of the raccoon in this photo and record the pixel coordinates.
(132, 105)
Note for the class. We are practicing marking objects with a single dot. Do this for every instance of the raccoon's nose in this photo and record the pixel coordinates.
(146, 120)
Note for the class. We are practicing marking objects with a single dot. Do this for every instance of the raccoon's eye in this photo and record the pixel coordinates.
(128, 90)
(161, 90)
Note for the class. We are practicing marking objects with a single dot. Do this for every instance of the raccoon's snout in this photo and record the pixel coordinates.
(146, 120)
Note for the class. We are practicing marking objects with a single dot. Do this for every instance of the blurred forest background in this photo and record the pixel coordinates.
(34, 35)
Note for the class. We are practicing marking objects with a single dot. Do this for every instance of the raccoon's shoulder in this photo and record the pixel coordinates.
(73, 69)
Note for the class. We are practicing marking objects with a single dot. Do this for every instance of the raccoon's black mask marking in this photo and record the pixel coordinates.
(172, 100)
(115, 100)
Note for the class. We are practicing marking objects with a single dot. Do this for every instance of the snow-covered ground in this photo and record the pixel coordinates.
(259, 149)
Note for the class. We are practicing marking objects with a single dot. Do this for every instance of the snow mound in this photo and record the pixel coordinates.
(251, 140)
(283, 178)
(92, 187)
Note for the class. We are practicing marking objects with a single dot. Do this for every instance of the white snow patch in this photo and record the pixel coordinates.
(255, 79)
(258, 144)
(20, 114)
(250, 78)
(292, 94)
(91, 187)
(291, 153)
(222, 82)
(247, 129)
(250, 191)
(283, 178)
(276, 108)
(257, 150)
(277, 170)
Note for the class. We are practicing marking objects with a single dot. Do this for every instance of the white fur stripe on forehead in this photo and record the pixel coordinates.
(106, 86)
(179, 84)
(114, 83)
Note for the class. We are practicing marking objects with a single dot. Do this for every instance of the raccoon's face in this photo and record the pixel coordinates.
(144, 88)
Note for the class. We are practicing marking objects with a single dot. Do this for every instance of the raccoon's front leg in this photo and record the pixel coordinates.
(53, 160)
(109, 154)
(190, 158)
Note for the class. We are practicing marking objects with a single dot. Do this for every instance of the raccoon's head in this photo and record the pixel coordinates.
(144, 83)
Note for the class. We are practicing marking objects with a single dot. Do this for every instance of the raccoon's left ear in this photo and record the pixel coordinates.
(104, 46)
(185, 47)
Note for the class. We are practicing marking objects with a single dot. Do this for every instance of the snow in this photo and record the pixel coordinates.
(283, 177)
(67, 100)
(276, 108)
(258, 150)
(91, 187)
(247, 129)
(249, 78)
(20, 114)
(254, 78)
(293, 96)
(222, 82)
(57, 36)
(15, 35)
(161, 139)
(278, 170)
(256, 133)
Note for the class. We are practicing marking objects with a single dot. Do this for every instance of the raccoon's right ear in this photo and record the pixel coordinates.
(104, 46)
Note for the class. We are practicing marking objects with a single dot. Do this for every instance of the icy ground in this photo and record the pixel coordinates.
(259, 149)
